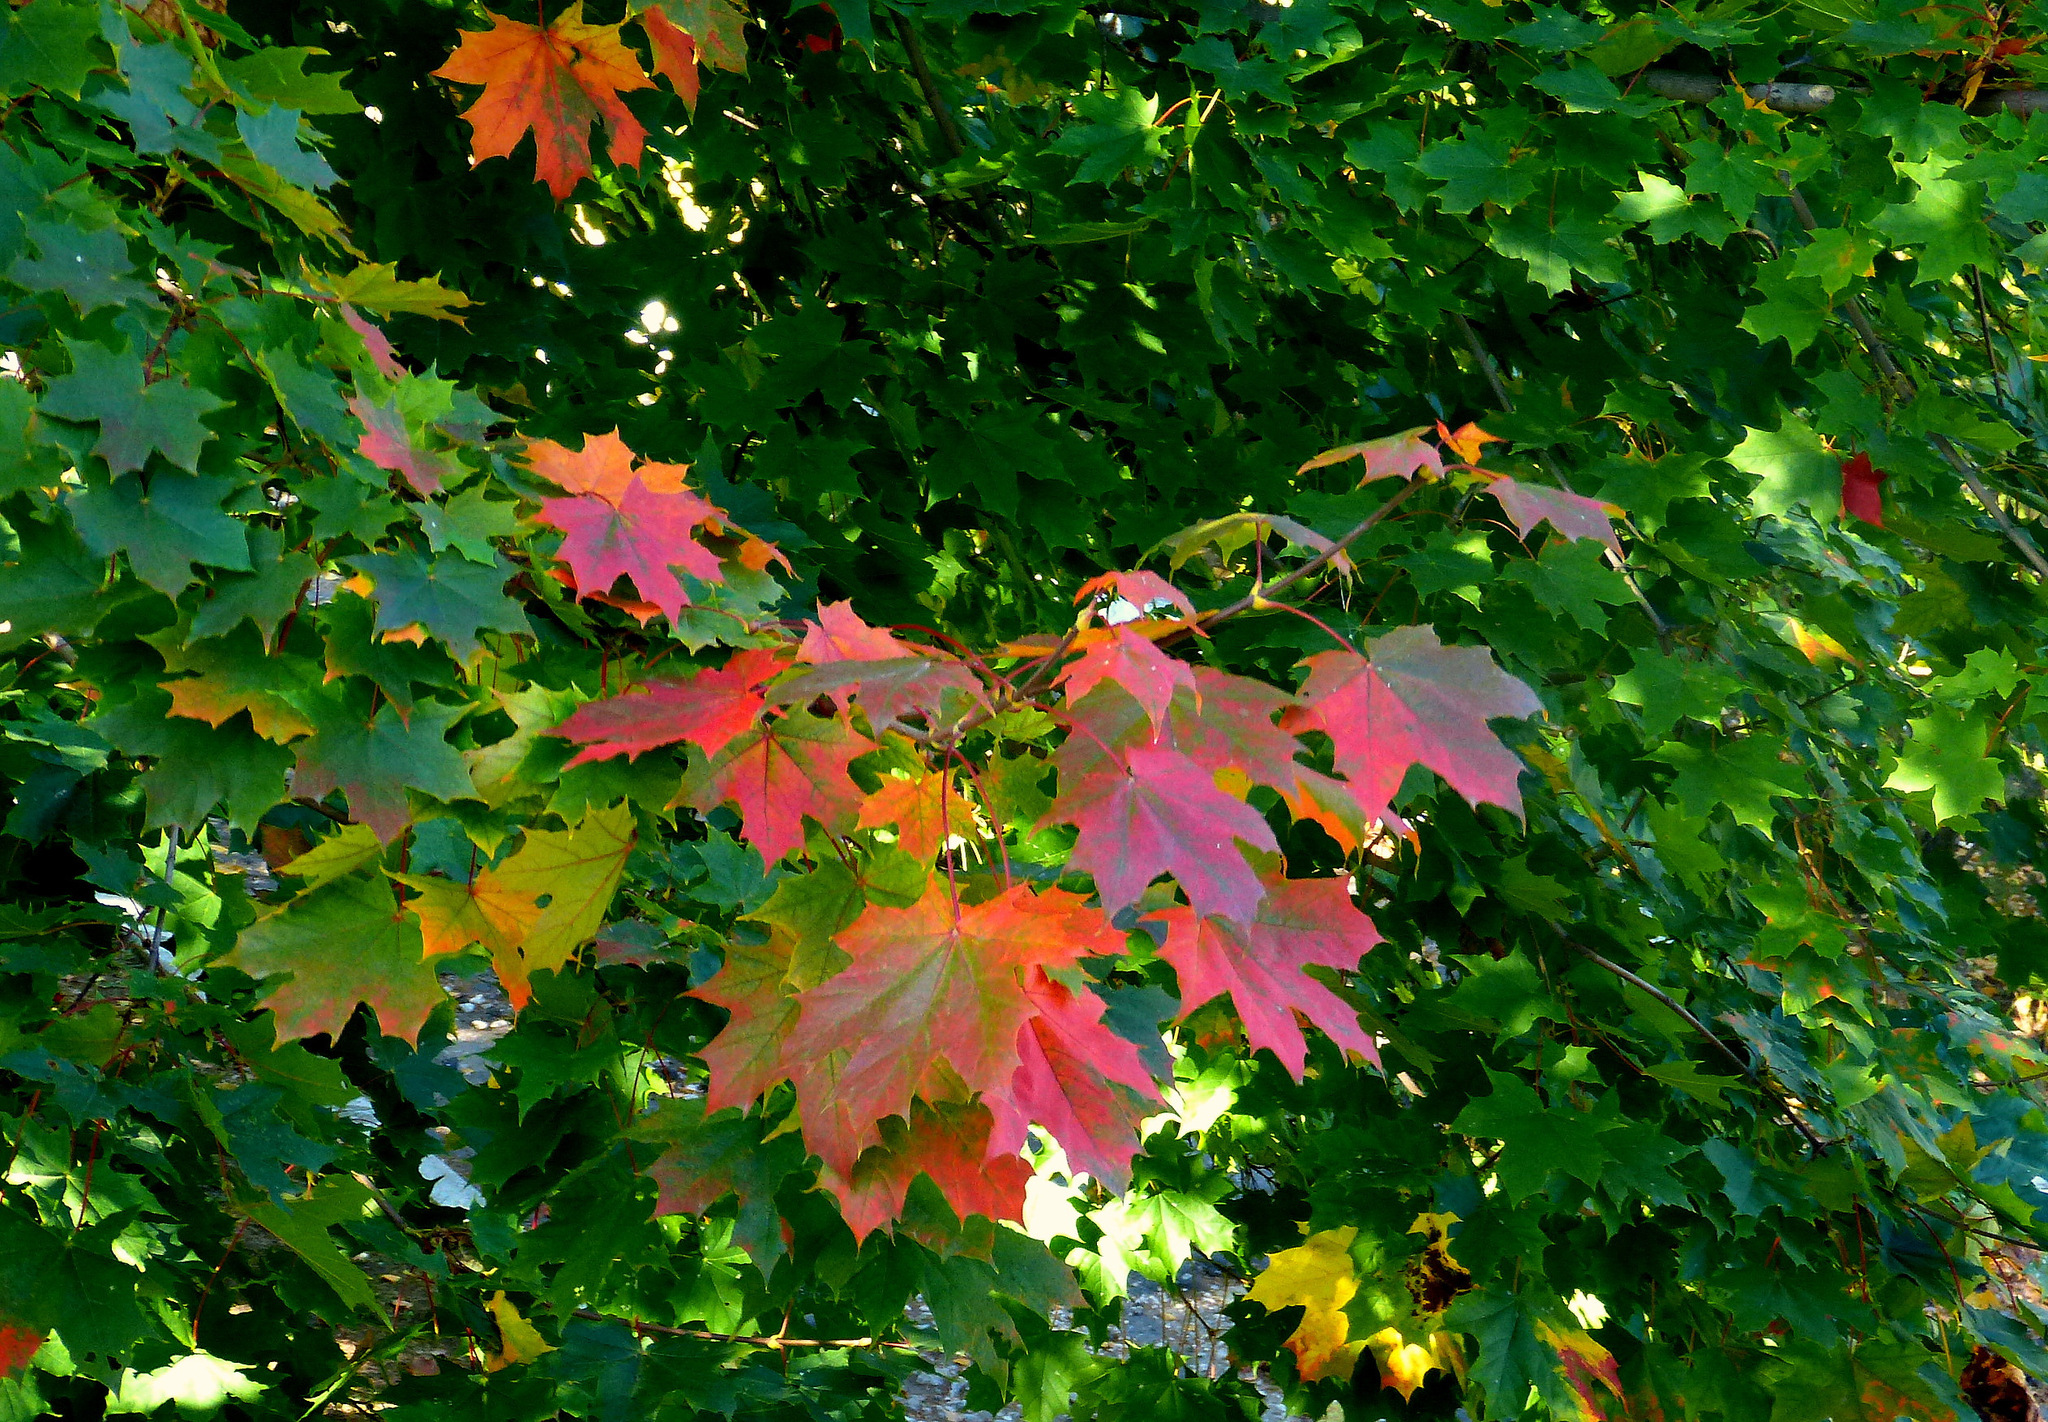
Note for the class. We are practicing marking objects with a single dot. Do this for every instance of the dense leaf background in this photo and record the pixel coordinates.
(1700, 1094)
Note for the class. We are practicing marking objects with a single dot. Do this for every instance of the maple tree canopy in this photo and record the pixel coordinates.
(700, 702)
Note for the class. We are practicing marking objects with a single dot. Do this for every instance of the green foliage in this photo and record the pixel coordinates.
(1695, 1095)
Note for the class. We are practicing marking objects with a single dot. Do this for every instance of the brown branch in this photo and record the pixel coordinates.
(948, 130)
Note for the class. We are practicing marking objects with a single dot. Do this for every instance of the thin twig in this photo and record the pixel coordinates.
(772, 1340)
(1903, 388)
(1784, 1102)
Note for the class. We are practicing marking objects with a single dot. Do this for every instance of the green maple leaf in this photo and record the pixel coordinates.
(51, 584)
(1116, 133)
(346, 507)
(135, 419)
(1744, 774)
(1734, 177)
(374, 759)
(264, 596)
(467, 523)
(1671, 213)
(1947, 754)
(273, 136)
(1557, 244)
(1389, 148)
(164, 527)
(1648, 487)
(1834, 257)
(344, 943)
(706, 1159)
(92, 268)
(1572, 578)
(1583, 89)
(196, 767)
(1795, 468)
(1795, 306)
(1945, 218)
(1240, 78)
(27, 459)
(50, 46)
(1454, 562)
(1477, 168)
(1537, 1142)
(349, 626)
(449, 597)
(1667, 687)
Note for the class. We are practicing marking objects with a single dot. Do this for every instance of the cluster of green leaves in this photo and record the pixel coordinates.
(1692, 1102)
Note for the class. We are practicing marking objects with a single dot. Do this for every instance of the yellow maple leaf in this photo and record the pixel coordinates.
(453, 916)
(1404, 1365)
(577, 871)
(1320, 1277)
(1585, 1362)
(519, 1341)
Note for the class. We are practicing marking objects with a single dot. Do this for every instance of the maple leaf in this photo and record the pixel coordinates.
(1069, 1070)
(445, 596)
(890, 676)
(779, 773)
(344, 943)
(708, 711)
(1573, 515)
(1466, 441)
(1300, 923)
(711, 1154)
(387, 444)
(950, 1146)
(556, 81)
(454, 916)
(1417, 702)
(1129, 659)
(931, 1003)
(18, 1343)
(233, 674)
(746, 1058)
(675, 54)
(604, 467)
(840, 635)
(643, 535)
(927, 810)
(1318, 1275)
(1150, 810)
(1585, 1363)
(1142, 590)
(383, 355)
(374, 760)
(1396, 456)
(715, 28)
(1863, 490)
(578, 871)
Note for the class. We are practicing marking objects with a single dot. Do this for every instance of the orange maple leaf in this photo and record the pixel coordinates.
(557, 81)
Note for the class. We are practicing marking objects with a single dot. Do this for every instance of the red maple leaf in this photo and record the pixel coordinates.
(557, 81)
(1396, 456)
(1863, 490)
(388, 445)
(926, 810)
(839, 635)
(1573, 515)
(780, 772)
(642, 535)
(675, 54)
(19, 1343)
(950, 1147)
(708, 711)
(1128, 658)
(890, 676)
(1143, 811)
(930, 1006)
(1140, 589)
(1070, 1080)
(1302, 922)
(1417, 702)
